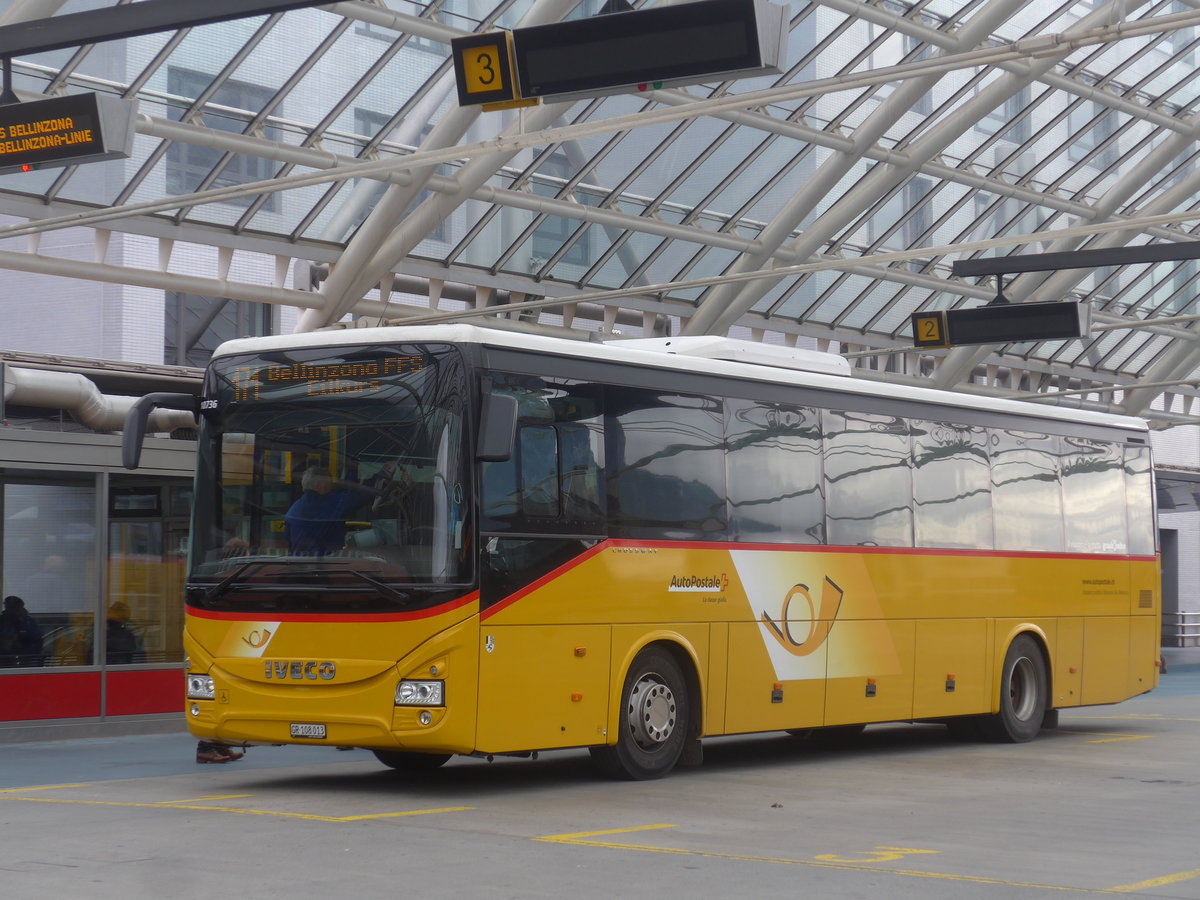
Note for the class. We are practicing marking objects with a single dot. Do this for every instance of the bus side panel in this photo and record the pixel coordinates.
(877, 657)
(753, 704)
(1106, 662)
(542, 686)
(951, 670)
(1067, 687)
(1144, 650)
(717, 691)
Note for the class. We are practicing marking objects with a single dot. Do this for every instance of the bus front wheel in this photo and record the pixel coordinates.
(654, 722)
(411, 762)
(1023, 694)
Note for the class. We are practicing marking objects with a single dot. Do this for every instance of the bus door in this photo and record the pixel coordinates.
(544, 640)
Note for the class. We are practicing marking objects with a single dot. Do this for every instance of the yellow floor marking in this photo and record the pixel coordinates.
(204, 799)
(247, 812)
(42, 787)
(1109, 737)
(583, 839)
(1155, 882)
(1145, 717)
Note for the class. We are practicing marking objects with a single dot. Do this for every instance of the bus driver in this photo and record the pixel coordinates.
(315, 525)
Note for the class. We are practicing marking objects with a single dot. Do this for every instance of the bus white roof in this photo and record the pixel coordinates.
(711, 355)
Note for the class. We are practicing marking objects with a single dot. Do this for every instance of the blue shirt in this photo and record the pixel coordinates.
(316, 523)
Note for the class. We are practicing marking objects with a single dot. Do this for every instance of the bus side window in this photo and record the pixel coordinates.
(538, 454)
(580, 454)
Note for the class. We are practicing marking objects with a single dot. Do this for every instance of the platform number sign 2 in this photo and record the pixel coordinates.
(929, 329)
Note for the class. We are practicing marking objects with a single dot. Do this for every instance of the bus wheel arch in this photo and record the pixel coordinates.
(658, 715)
(1023, 691)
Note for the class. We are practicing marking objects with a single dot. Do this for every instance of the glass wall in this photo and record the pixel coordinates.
(51, 582)
(88, 581)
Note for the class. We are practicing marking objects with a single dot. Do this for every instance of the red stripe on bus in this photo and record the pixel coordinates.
(897, 551)
(794, 548)
(432, 612)
(544, 580)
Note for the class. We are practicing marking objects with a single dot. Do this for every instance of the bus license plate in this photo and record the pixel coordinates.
(306, 730)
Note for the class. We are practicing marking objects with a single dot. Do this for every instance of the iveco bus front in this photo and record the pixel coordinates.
(332, 486)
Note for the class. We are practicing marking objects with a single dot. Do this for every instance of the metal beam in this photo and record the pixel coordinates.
(131, 20)
(1076, 259)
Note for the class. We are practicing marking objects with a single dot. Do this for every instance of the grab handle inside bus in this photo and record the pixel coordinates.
(497, 427)
(138, 416)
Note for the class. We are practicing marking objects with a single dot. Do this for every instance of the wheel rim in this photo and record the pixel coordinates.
(652, 712)
(1022, 690)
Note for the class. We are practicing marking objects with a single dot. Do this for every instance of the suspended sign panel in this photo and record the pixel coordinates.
(483, 69)
(63, 131)
(665, 46)
(1001, 323)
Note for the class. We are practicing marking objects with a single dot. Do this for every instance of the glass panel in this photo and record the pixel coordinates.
(50, 567)
(329, 477)
(1026, 500)
(868, 479)
(773, 460)
(668, 475)
(560, 459)
(147, 540)
(951, 486)
(539, 471)
(1139, 501)
(1093, 484)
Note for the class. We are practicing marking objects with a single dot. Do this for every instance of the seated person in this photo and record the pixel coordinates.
(315, 525)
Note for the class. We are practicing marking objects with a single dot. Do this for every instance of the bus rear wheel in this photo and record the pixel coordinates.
(1023, 695)
(654, 723)
(403, 761)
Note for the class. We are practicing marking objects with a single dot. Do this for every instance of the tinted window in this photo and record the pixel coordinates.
(552, 484)
(1139, 503)
(1025, 493)
(951, 486)
(667, 475)
(1093, 483)
(774, 466)
(868, 479)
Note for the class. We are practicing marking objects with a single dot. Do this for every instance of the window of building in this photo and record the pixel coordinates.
(188, 165)
(51, 564)
(195, 326)
(554, 231)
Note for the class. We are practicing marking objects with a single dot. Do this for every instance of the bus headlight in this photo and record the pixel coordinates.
(420, 693)
(200, 687)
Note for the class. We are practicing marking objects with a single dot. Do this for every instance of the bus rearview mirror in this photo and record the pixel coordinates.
(497, 427)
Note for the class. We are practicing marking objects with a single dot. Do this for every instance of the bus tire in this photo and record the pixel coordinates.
(1023, 694)
(403, 761)
(654, 723)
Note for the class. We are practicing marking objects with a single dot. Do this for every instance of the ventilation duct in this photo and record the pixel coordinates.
(81, 398)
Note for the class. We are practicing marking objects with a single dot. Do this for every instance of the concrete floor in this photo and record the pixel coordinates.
(1108, 803)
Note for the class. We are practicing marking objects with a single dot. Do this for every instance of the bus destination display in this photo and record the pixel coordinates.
(63, 131)
(329, 380)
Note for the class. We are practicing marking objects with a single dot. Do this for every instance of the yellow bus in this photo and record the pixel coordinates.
(442, 540)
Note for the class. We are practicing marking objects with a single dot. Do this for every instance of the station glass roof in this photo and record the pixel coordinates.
(318, 158)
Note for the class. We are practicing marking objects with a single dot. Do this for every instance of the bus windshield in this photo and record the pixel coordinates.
(331, 480)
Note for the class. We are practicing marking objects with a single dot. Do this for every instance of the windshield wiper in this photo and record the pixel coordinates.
(383, 587)
(315, 567)
(221, 588)
(338, 567)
